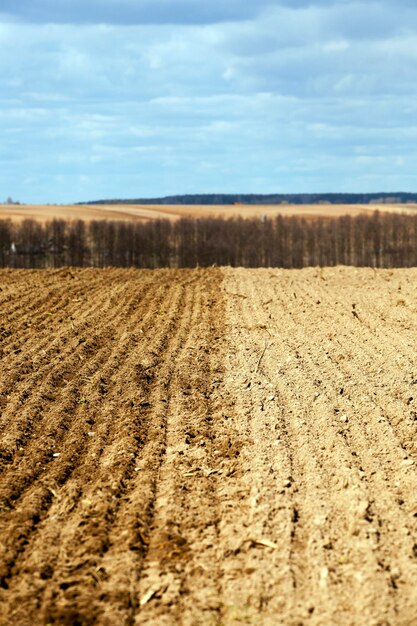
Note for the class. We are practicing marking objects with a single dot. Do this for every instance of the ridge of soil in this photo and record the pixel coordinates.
(109, 447)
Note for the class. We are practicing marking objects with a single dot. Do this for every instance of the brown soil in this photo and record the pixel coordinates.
(126, 212)
(208, 447)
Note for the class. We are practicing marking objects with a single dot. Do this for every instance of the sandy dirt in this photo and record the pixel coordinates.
(208, 447)
(125, 212)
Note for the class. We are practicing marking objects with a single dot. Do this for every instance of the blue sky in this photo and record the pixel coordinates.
(142, 98)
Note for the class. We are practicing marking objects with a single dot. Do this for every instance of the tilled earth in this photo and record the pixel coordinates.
(208, 447)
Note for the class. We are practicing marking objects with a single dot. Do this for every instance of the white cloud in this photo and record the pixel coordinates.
(273, 100)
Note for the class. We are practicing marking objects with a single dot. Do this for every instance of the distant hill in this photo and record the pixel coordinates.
(275, 198)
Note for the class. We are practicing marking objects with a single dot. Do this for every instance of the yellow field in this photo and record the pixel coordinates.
(149, 212)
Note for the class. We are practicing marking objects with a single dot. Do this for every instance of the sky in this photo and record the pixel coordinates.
(145, 98)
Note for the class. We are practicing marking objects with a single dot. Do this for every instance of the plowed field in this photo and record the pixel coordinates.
(208, 447)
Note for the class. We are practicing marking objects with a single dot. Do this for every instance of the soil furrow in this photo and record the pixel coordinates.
(108, 494)
(183, 545)
(154, 352)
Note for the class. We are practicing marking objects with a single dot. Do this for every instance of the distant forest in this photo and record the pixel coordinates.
(376, 240)
(275, 198)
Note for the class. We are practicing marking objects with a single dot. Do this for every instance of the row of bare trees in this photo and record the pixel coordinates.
(375, 240)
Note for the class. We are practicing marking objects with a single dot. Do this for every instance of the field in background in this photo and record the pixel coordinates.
(211, 447)
(44, 213)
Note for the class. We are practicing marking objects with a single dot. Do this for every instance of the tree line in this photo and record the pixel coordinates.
(272, 198)
(374, 240)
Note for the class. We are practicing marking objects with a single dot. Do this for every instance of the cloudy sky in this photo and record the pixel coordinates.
(142, 98)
